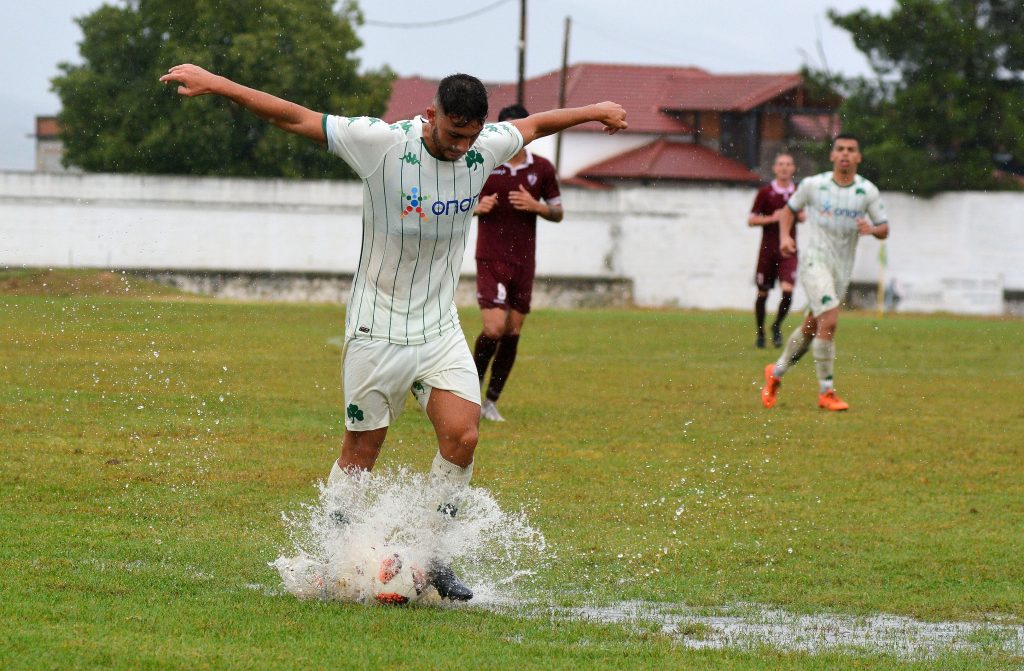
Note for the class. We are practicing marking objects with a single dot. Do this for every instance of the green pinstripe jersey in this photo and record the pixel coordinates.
(416, 216)
(829, 235)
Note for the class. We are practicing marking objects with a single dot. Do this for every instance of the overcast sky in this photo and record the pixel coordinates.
(720, 36)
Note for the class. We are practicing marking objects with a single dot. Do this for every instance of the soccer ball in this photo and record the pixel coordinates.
(398, 581)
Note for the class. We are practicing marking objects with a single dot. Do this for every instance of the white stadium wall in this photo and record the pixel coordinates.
(687, 247)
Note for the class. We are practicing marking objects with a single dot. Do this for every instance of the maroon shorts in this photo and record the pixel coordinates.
(772, 266)
(504, 285)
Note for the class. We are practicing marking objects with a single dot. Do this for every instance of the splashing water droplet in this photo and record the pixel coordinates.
(340, 541)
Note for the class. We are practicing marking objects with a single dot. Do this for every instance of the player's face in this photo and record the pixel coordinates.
(784, 168)
(845, 155)
(451, 137)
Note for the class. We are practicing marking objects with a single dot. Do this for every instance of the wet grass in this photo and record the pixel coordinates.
(150, 446)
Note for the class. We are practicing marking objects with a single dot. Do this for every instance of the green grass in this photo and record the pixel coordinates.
(150, 444)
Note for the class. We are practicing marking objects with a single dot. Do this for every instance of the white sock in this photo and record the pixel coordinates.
(824, 356)
(337, 474)
(795, 348)
(445, 472)
(448, 480)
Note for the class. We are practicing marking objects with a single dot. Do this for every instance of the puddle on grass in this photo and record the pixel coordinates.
(748, 626)
(341, 541)
(497, 553)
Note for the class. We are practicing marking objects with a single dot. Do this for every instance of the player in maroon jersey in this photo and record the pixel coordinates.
(771, 265)
(506, 241)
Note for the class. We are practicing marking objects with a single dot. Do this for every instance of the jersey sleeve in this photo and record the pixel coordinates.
(802, 197)
(759, 203)
(502, 140)
(876, 208)
(549, 189)
(360, 141)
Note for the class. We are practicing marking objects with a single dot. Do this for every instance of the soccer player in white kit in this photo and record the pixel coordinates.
(421, 181)
(841, 206)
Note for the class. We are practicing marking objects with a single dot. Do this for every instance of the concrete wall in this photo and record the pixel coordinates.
(686, 247)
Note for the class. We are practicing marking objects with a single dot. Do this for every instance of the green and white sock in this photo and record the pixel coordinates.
(824, 356)
(795, 348)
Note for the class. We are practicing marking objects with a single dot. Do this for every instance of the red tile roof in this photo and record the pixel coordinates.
(47, 127)
(410, 96)
(665, 159)
(725, 93)
(648, 92)
(638, 88)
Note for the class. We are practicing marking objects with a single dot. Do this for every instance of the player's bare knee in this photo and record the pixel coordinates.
(494, 331)
(468, 438)
(459, 449)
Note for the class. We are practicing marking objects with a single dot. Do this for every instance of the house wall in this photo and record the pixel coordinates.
(686, 247)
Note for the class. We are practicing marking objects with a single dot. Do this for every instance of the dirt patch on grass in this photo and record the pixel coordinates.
(86, 282)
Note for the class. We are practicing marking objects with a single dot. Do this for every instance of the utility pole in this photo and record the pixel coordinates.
(561, 91)
(521, 86)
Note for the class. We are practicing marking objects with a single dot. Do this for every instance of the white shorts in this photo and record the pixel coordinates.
(378, 376)
(824, 287)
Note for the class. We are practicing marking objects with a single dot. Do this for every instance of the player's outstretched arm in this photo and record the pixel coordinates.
(611, 115)
(195, 81)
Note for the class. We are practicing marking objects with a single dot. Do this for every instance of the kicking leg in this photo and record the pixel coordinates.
(456, 423)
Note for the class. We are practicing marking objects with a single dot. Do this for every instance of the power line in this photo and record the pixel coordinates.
(431, 24)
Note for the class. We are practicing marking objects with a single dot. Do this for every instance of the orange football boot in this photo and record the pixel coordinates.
(771, 386)
(829, 401)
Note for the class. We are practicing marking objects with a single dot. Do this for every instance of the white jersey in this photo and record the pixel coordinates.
(829, 235)
(416, 216)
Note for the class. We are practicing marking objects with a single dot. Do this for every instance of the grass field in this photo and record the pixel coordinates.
(151, 442)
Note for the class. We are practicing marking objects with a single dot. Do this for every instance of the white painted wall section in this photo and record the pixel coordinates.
(687, 247)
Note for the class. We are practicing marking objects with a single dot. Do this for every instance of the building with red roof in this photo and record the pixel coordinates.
(686, 125)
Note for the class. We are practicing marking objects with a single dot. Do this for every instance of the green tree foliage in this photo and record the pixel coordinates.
(947, 105)
(117, 117)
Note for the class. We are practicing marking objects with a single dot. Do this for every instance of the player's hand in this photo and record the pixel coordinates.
(865, 227)
(522, 200)
(486, 204)
(612, 115)
(194, 80)
(787, 245)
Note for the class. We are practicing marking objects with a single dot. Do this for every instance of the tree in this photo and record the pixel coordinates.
(117, 117)
(946, 107)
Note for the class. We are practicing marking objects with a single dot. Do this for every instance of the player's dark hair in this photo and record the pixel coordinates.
(515, 111)
(846, 136)
(462, 97)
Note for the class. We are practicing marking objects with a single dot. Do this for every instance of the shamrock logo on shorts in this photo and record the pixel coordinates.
(354, 413)
(825, 300)
(474, 158)
(417, 387)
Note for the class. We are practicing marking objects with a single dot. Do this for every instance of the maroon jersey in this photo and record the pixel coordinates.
(505, 233)
(772, 197)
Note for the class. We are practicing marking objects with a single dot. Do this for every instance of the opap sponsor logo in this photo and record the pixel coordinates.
(416, 202)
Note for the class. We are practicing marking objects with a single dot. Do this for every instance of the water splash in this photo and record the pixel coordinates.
(339, 541)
